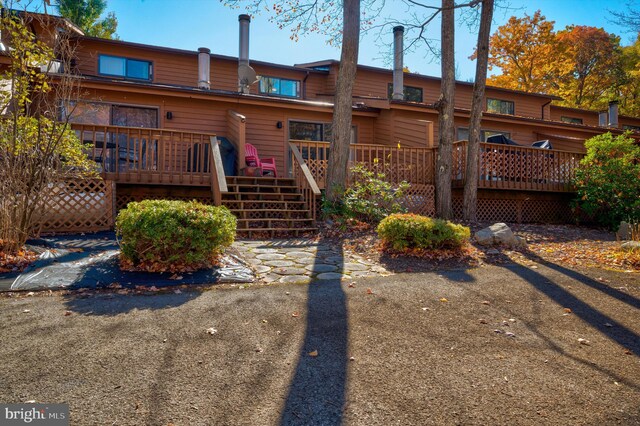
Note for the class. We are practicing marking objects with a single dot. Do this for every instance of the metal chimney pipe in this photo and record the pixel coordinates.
(398, 68)
(613, 114)
(243, 55)
(204, 66)
(602, 119)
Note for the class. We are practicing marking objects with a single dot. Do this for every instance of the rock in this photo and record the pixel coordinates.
(630, 246)
(498, 233)
(624, 231)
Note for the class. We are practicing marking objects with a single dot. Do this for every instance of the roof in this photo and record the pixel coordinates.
(194, 53)
(329, 62)
(218, 92)
(64, 21)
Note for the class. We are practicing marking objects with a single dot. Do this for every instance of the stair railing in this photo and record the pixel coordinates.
(218, 179)
(304, 181)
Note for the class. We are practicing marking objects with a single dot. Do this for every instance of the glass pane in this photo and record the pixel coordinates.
(138, 69)
(289, 88)
(305, 131)
(413, 94)
(134, 117)
(269, 85)
(89, 113)
(463, 134)
(112, 66)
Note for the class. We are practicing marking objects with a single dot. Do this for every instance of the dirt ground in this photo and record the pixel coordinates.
(497, 344)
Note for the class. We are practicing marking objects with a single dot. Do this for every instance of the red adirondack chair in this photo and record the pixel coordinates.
(266, 164)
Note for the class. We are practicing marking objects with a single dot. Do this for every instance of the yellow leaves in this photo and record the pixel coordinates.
(313, 353)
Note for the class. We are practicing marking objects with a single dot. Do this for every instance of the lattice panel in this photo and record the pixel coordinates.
(420, 199)
(546, 211)
(79, 206)
(497, 210)
(123, 199)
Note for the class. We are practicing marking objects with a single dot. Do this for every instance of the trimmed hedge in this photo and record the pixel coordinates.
(160, 235)
(410, 231)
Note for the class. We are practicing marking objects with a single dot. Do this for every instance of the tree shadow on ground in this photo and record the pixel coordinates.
(112, 304)
(317, 393)
(603, 323)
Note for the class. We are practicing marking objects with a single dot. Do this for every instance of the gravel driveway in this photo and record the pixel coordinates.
(492, 345)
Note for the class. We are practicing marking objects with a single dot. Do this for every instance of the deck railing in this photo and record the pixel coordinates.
(500, 166)
(154, 156)
(304, 180)
(518, 167)
(414, 165)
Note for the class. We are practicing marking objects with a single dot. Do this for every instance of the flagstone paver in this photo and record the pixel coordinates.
(301, 260)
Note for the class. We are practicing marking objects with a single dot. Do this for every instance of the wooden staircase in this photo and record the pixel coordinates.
(268, 204)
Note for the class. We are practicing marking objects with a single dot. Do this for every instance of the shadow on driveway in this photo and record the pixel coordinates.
(604, 324)
(317, 392)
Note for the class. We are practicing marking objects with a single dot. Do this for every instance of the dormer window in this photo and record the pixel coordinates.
(572, 120)
(500, 106)
(411, 94)
(116, 66)
(276, 86)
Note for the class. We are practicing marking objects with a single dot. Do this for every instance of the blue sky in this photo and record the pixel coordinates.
(189, 24)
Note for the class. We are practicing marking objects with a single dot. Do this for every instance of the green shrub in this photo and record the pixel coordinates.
(410, 231)
(369, 197)
(608, 180)
(160, 235)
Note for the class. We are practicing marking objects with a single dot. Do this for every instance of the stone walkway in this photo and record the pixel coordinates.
(301, 260)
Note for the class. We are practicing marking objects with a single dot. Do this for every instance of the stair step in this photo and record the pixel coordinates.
(277, 229)
(264, 181)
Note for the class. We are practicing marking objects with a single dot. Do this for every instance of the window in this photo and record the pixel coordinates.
(572, 120)
(124, 67)
(463, 134)
(411, 94)
(280, 87)
(500, 106)
(630, 127)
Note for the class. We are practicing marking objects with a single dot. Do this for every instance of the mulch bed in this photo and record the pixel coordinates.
(565, 244)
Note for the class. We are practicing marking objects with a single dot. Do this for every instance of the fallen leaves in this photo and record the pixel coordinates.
(211, 331)
(444, 300)
(584, 341)
(17, 262)
(313, 353)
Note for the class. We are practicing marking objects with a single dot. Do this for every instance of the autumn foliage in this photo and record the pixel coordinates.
(608, 179)
(162, 235)
(585, 66)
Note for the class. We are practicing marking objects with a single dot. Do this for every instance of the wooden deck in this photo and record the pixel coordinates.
(500, 166)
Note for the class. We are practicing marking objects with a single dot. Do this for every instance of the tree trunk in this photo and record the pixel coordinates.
(445, 106)
(337, 172)
(471, 173)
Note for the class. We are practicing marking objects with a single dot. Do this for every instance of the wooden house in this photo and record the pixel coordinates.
(154, 118)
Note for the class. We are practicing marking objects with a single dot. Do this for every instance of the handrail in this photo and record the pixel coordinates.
(304, 169)
(149, 155)
(305, 181)
(236, 126)
(218, 179)
(411, 164)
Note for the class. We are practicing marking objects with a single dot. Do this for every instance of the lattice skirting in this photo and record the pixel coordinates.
(518, 209)
(122, 199)
(79, 206)
(420, 199)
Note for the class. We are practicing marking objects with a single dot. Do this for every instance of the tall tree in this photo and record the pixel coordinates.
(523, 50)
(343, 101)
(445, 107)
(630, 18)
(87, 14)
(630, 88)
(482, 55)
(589, 66)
